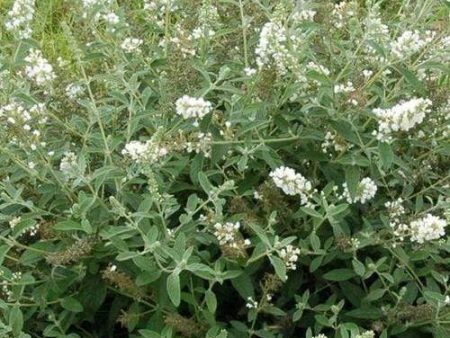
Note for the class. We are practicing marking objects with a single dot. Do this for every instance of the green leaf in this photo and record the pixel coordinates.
(87, 227)
(334, 210)
(297, 315)
(386, 154)
(123, 256)
(204, 182)
(339, 275)
(352, 175)
(69, 225)
(16, 320)
(345, 129)
(441, 332)
(147, 277)
(365, 313)
(311, 212)
(196, 166)
(149, 334)
(3, 251)
(315, 241)
(315, 263)
(222, 334)
(273, 310)
(279, 266)
(192, 203)
(72, 304)
(359, 267)
(353, 159)
(211, 301)
(375, 295)
(412, 80)
(260, 233)
(173, 288)
(434, 298)
(321, 319)
(243, 285)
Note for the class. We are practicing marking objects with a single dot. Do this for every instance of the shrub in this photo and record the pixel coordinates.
(234, 168)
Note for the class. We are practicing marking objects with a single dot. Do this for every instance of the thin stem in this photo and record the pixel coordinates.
(263, 141)
(244, 32)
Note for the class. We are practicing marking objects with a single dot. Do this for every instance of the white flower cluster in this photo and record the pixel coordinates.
(192, 107)
(427, 228)
(280, 43)
(7, 285)
(341, 12)
(304, 15)
(291, 182)
(101, 10)
(320, 336)
(15, 113)
(367, 73)
(161, 5)
(132, 45)
(272, 45)
(202, 33)
(395, 209)
(333, 141)
(208, 18)
(74, 91)
(201, 145)
(5, 75)
(444, 121)
(183, 41)
(375, 31)
(366, 334)
(20, 18)
(410, 42)
(96, 3)
(32, 231)
(228, 234)
(365, 191)
(29, 120)
(289, 255)
(68, 165)
(312, 66)
(14, 221)
(39, 69)
(402, 117)
(111, 19)
(318, 68)
(421, 230)
(344, 88)
(144, 152)
(251, 303)
(248, 71)
(439, 51)
(158, 9)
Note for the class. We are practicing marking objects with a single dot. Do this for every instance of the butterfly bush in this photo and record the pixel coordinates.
(224, 169)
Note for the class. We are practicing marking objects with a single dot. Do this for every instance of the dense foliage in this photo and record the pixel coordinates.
(225, 168)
